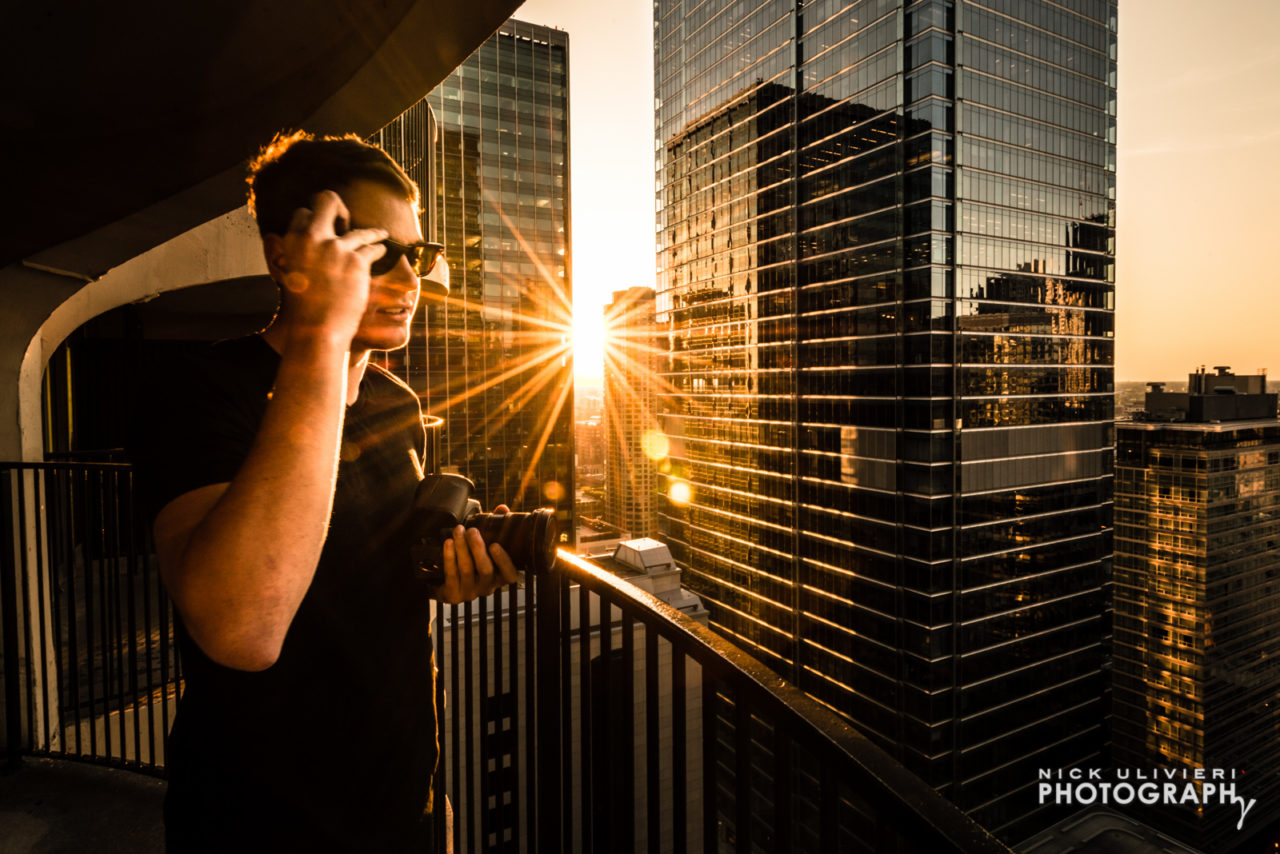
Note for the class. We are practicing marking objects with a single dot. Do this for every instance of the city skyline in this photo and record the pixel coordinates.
(1197, 113)
(557, 729)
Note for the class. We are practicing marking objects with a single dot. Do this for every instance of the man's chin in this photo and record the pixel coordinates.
(383, 341)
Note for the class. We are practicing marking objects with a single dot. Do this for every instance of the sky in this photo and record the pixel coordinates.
(1198, 177)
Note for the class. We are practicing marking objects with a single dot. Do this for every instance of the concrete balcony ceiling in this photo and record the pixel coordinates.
(127, 124)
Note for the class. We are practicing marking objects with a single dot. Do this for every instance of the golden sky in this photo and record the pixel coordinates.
(1198, 179)
(1198, 182)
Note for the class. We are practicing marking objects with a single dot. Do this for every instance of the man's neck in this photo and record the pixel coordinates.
(357, 362)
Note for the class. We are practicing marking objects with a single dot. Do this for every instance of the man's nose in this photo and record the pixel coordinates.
(402, 276)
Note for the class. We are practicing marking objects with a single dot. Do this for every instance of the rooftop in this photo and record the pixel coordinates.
(1200, 426)
(1102, 831)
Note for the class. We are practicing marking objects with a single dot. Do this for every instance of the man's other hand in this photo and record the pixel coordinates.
(472, 570)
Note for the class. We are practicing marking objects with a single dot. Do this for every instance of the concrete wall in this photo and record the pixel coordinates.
(40, 307)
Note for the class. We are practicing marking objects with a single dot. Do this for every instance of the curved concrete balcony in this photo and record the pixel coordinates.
(580, 712)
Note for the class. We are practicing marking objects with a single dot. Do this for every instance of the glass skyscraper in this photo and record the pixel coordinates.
(630, 423)
(493, 360)
(885, 294)
(1197, 656)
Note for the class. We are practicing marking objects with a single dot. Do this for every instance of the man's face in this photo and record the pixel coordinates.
(393, 296)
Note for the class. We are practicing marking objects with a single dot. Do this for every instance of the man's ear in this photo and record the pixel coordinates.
(273, 251)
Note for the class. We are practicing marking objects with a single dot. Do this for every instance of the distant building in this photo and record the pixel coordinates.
(1220, 396)
(630, 420)
(1131, 399)
(589, 506)
(595, 537)
(494, 360)
(589, 446)
(1197, 594)
(588, 398)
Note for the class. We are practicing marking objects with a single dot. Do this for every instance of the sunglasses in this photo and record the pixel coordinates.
(422, 257)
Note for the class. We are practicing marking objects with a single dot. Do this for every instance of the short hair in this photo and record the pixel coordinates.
(291, 169)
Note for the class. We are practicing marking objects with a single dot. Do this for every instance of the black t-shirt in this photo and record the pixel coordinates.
(333, 747)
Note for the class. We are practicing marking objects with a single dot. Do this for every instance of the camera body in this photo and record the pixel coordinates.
(443, 501)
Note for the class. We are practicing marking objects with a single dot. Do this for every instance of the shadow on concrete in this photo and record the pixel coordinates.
(50, 806)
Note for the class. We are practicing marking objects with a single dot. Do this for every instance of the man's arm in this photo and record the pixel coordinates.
(237, 558)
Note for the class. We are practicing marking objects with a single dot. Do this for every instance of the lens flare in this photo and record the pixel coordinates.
(655, 445)
(680, 493)
(498, 366)
(635, 358)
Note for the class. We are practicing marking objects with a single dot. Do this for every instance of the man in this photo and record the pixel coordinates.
(283, 476)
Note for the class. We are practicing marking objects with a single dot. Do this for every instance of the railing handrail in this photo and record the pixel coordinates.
(895, 787)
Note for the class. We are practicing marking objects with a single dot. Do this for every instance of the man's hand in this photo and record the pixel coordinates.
(324, 267)
(469, 567)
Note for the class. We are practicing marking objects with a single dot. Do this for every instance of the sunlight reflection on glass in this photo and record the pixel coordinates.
(655, 445)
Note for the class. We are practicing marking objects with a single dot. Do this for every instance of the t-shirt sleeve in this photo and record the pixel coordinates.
(197, 433)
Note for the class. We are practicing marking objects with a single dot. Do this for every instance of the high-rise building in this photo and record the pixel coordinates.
(493, 361)
(630, 419)
(885, 279)
(1197, 595)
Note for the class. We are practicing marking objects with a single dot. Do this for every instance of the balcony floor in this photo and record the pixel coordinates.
(51, 806)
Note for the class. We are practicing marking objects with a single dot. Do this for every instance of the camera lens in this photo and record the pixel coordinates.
(529, 538)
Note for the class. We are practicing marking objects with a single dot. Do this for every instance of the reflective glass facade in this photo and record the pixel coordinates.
(1197, 602)
(885, 289)
(494, 360)
(630, 422)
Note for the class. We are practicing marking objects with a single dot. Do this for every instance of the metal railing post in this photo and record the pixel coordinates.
(549, 619)
(9, 565)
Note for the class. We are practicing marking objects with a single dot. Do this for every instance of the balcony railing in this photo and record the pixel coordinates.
(579, 713)
(90, 670)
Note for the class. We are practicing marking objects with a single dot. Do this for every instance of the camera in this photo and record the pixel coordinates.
(444, 501)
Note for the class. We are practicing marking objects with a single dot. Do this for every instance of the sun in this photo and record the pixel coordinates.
(588, 340)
